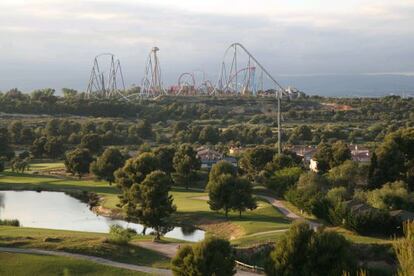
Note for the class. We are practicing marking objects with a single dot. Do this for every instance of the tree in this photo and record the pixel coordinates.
(144, 129)
(92, 142)
(220, 168)
(27, 136)
(53, 147)
(185, 163)
(284, 160)
(255, 160)
(300, 134)
(52, 127)
(165, 156)
(2, 163)
(340, 153)
(283, 179)
(301, 251)
(309, 194)
(69, 93)
(106, 164)
(290, 256)
(5, 150)
(15, 130)
(220, 191)
(38, 147)
(134, 171)
(228, 191)
(44, 95)
(324, 157)
(78, 161)
(391, 196)
(394, 159)
(210, 257)
(209, 134)
(242, 198)
(150, 202)
(349, 174)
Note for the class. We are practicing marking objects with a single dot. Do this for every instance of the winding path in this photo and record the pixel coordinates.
(288, 213)
(98, 260)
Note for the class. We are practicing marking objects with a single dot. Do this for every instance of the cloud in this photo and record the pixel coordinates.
(41, 40)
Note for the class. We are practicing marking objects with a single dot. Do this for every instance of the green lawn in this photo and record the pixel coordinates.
(26, 264)
(94, 244)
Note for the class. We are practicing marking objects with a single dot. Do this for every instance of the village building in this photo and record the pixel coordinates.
(209, 157)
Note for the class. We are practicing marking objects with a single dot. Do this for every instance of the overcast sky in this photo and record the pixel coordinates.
(52, 43)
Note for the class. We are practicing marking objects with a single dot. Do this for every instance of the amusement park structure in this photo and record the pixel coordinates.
(106, 79)
(241, 74)
(151, 85)
(194, 83)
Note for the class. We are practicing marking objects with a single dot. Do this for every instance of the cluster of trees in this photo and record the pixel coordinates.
(228, 191)
(69, 132)
(394, 159)
(239, 133)
(144, 180)
(357, 196)
(261, 164)
(300, 251)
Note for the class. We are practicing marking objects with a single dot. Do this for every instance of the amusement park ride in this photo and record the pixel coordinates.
(241, 74)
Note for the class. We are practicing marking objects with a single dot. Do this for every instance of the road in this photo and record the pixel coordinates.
(98, 260)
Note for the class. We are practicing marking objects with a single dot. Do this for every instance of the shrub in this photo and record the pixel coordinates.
(120, 235)
(211, 256)
(301, 251)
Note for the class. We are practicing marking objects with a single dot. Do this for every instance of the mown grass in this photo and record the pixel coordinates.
(27, 264)
(93, 244)
(45, 166)
(356, 238)
(251, 240)
(192, 206)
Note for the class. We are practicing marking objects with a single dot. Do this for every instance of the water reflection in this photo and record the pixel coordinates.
(54, 210)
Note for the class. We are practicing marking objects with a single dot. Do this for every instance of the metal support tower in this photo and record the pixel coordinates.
(152, 82)
(247, 79)
(106, 79)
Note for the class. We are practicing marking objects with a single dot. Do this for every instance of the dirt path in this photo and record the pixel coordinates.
(288, 213)
(145, 269)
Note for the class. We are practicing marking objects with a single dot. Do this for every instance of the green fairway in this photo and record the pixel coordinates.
(25, 264)
(93, 244)
(46, 166)
(192, 206)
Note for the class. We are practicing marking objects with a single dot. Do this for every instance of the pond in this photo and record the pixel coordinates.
(56, 210)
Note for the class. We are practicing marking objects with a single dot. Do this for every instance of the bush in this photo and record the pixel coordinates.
(120, 235)
(10, 222)
(209, 257)
(301, 251)
(374, 221)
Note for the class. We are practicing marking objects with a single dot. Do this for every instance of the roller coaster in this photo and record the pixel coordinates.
(106, 79)
(241, 74)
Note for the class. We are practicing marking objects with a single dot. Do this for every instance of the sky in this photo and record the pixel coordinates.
(318, 45)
